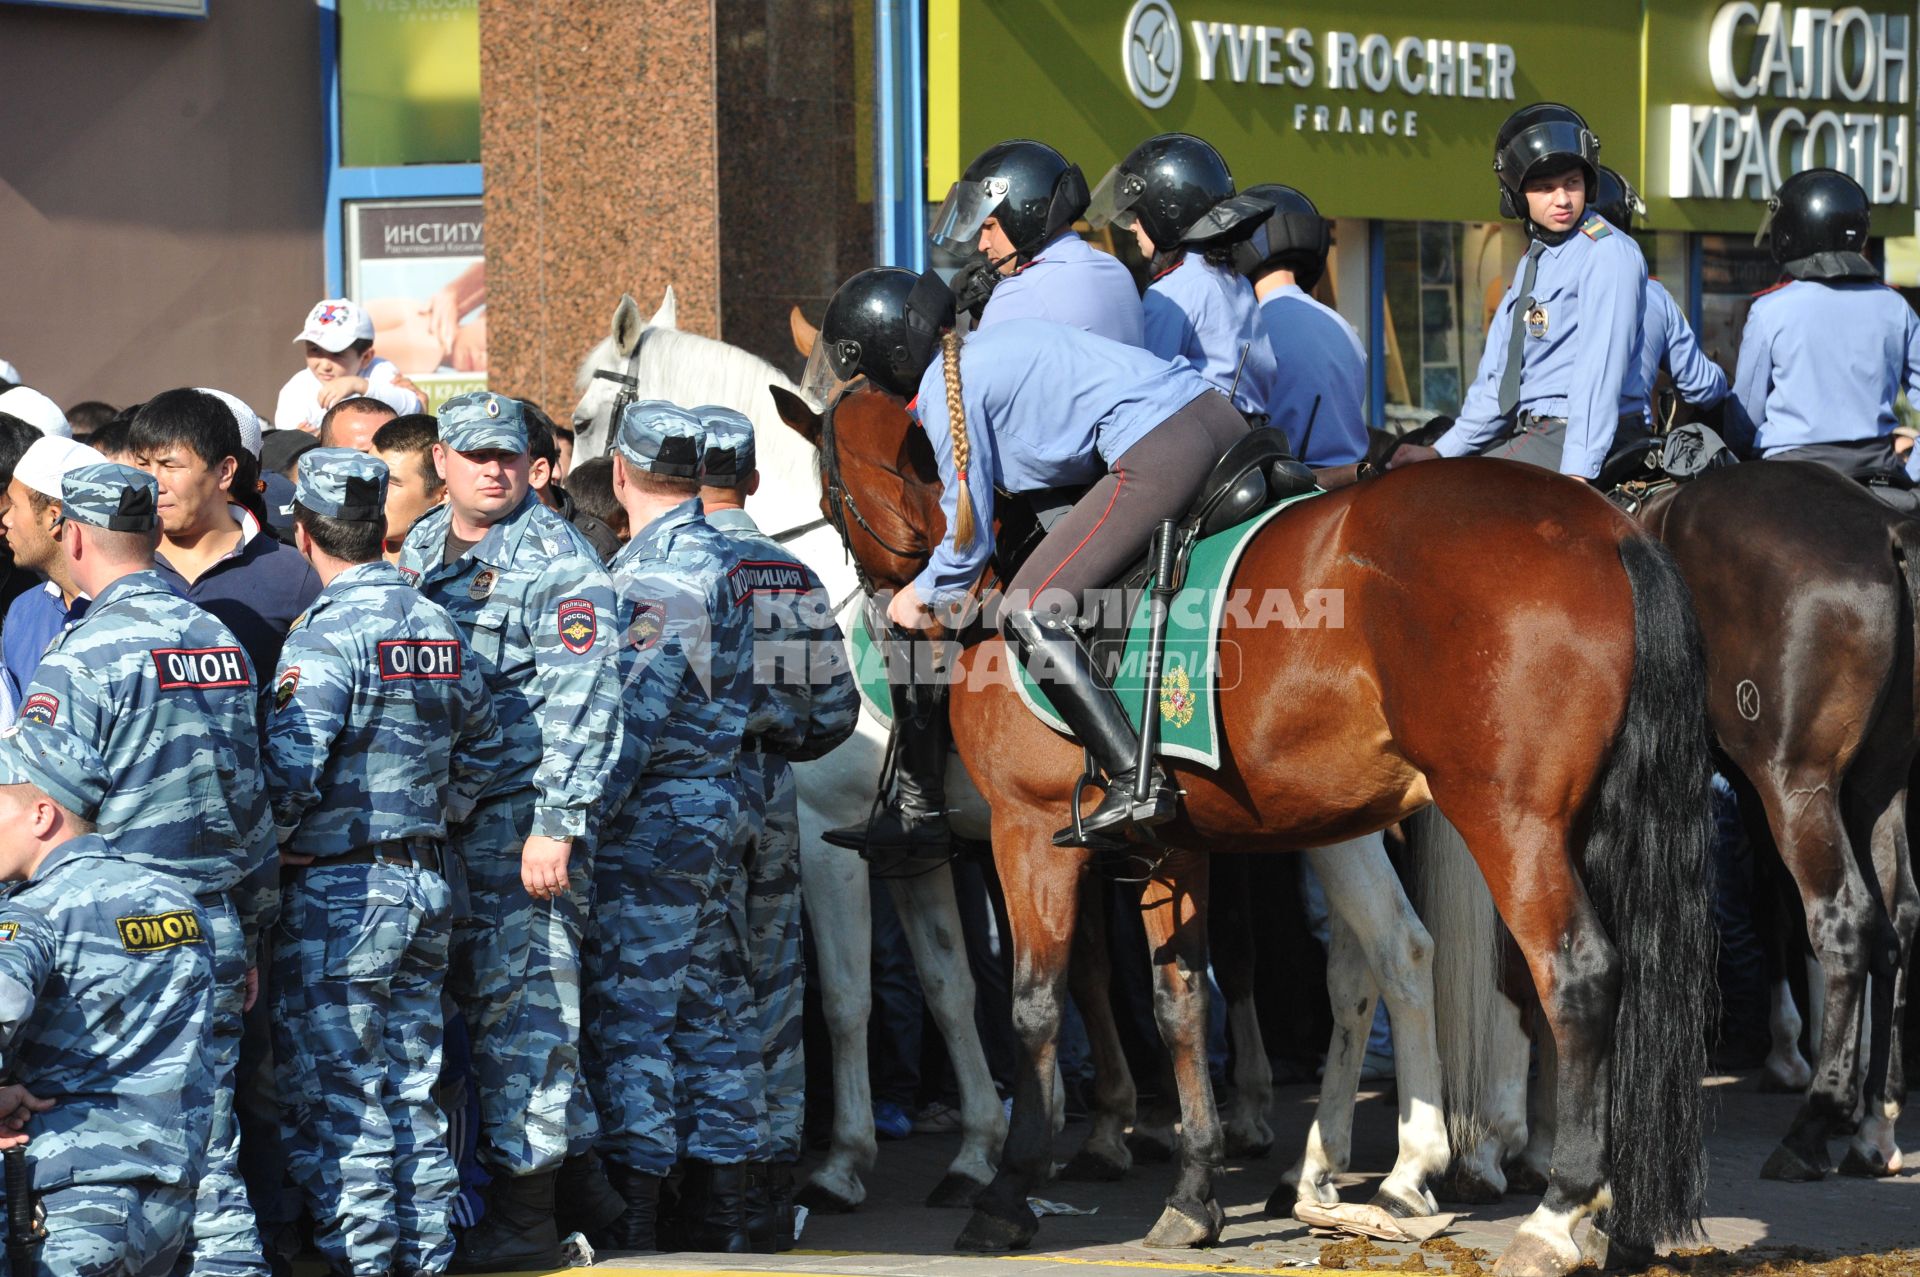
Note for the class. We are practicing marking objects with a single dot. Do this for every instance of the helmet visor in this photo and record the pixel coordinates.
(1561, 141)
(1114, 199)
(957, 222)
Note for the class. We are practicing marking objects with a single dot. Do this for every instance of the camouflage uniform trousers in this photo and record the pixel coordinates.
(515, 975)
(670, 1022)
(774, 946)
(114, 1230)
(358, 965)
(225, 1240)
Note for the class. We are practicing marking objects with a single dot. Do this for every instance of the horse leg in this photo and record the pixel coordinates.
(1351, 992)
(1873, 1150)
(1042, 885)
(1173, 906)
(931, 916)
(1529, 1173)
(1368, 904)
(833, 883)
(1840, 909)
(1104, 1156)
(1230, 925)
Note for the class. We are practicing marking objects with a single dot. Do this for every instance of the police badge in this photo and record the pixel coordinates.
(578, 625)
(283, 690)
(1537, 321)
(481, 587)
(649, 618)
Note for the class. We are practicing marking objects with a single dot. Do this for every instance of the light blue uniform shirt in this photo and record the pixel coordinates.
(1589, 292)
(1666, 337)
(1048, 406)
(1072, 282)
(1207, 315)
(1822, 363)
(1319, 357)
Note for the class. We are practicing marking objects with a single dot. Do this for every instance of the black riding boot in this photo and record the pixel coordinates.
(913, 825)
(1061, 663)
(517, 1234)
(715, 1206)
(763, 1222)
(636, 1227)
(583, 1200)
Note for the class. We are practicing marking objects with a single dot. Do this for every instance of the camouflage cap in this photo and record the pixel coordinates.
(729, 445)
(661, 438)
(109, 495)
(60, 764)
(342, 483)
(483, 422)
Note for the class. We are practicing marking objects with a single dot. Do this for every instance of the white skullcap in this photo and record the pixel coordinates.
(38, 411)
(244, 417)
(48, 460)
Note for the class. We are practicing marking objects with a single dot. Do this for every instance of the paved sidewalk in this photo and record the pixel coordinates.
(893, 1233)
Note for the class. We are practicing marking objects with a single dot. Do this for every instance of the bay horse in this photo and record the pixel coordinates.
(1512, 648)
(1807, 591)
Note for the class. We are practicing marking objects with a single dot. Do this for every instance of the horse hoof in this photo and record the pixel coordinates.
(1247, 1148)
(1466, 1187)
(1531, 1255)
(1280, 1202)
(1395, 1204)
(1858, 1165)
(1525, 1180)
(987, 1234)
(1094, 1167)
(1611, 1254)
(1772, 1083)
(1187, 1225)
(823, 1201)
(1789, 1166)
(955, 1192)
(1149, 1148)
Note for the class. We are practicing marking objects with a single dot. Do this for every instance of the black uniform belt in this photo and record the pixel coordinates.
(417, 853)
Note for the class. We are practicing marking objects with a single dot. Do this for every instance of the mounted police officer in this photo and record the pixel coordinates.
(537, 610)
(1015, 207)
(1319, 397)
(674, 1047)
(1666, 338)
(106, 1004)
(1028, 405)
(1825, 351)
(805, 705)
(165, 694)
(1176, 194)
(1562, 346)
(378, 730)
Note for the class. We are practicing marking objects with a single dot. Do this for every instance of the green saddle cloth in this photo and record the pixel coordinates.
(1191, 669)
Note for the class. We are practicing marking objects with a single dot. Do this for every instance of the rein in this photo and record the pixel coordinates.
(629, 383)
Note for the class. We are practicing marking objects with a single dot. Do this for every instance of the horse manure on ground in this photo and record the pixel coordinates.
(1441, 1256)
(1786, 1261)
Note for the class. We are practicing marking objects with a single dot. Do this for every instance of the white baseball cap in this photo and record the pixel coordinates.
(251, 427)
(8, 371)
(335, 324)
(38, 411)
(45, 463)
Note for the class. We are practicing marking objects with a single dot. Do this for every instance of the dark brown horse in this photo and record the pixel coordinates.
(1806, 587)
(1509, 646)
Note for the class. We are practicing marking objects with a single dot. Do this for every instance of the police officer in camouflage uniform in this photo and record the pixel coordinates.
(537, 609)
(378, 730)
(670, 1024)
(164, 692)
(106, 1001)
(805, 704)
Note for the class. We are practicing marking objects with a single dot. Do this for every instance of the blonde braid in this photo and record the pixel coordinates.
(962, 450)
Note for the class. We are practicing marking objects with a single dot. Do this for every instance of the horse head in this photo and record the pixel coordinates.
(881, 485)
(599, 378)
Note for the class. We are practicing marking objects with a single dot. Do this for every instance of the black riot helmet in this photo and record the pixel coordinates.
(1028, 185)
(886, 323)
(1293, 237)
(1179, 189)
(1543, 138)
(1819, 216)
(1616, 200)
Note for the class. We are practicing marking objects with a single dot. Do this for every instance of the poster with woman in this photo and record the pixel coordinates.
(419, 268)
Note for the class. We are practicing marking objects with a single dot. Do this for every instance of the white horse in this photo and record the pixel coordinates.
(1378, 942)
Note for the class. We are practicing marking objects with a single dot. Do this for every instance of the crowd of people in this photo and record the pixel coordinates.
(394, 808)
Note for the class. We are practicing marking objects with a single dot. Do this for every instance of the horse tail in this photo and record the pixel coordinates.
(1650, 878)
(1469, 940)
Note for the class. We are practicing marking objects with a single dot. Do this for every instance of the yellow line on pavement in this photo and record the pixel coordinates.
(717, 1270)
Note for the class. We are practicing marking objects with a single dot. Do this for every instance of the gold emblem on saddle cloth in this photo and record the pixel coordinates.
(1537, 321)
(1176, 698)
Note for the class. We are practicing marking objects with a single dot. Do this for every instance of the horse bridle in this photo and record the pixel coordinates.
(629, 383)
(840, 502)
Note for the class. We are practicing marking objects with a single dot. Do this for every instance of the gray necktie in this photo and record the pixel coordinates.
(1517, 335)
